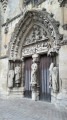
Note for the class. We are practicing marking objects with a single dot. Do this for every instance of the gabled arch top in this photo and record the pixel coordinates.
(29, 21)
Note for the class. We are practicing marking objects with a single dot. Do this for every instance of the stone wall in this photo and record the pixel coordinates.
(62, 96)
(63, 68)
(3, 77)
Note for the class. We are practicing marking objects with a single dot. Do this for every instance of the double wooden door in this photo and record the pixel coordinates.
(45, 91)
(28, 63)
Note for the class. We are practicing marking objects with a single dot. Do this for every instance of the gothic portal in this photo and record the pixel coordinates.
(34, 46)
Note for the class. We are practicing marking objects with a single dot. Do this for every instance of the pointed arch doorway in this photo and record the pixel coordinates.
(36, 32)
(44, 90)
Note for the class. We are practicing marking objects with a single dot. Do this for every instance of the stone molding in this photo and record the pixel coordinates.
(10, 20)
(23, 76)
(2, 57)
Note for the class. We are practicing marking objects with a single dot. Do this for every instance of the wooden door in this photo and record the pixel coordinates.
(45, 91)
(28, 62)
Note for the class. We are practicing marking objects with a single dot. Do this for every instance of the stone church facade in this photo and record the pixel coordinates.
(33, 50)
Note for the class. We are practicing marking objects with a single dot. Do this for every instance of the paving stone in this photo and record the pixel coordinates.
(26, 109)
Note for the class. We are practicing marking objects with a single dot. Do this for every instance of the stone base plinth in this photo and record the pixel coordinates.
(16, 92)
(34, 95)
(59, 99)
(53, 97)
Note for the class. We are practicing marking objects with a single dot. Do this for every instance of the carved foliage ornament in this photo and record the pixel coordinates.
(4, 4)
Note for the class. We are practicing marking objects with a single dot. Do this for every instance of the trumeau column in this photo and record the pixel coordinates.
(22, 77)
(34, 77)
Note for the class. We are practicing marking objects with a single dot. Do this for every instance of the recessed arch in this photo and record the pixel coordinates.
(39, 18)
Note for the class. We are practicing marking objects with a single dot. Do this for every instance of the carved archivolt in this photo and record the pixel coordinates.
(36, 28)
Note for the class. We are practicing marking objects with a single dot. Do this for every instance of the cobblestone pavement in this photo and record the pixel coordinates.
(26, 109)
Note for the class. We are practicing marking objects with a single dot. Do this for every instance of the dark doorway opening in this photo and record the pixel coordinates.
(45, 91)
(28, 62)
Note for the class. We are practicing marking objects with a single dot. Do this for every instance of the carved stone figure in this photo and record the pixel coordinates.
(50, 70)
(10, 78)
(34, 77)
(17, 75)
(34, 68)
(54, 78)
